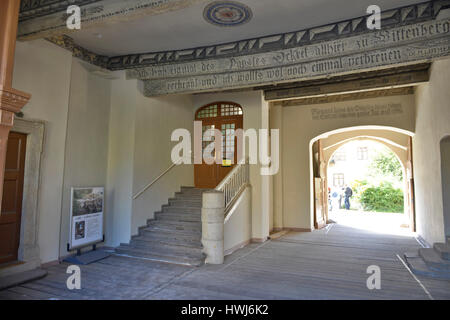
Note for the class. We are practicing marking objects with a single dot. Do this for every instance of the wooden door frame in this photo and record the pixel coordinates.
(217, 121)
(19, 194)
(411, 187)
(324, 190)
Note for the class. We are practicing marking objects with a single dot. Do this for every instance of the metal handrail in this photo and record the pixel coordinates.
(137, 195)
(232, 185)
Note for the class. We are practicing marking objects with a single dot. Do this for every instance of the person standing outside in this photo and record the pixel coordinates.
(348, 194)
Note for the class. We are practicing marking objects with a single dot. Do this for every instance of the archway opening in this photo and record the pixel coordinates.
(369, 167)
(366, 187)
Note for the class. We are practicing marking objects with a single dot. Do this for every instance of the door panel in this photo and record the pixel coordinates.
(12, 197)
(411, 194)
(319, 209)
(229, 147)
(205, 174)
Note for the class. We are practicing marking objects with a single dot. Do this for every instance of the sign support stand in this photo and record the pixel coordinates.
(88, 257)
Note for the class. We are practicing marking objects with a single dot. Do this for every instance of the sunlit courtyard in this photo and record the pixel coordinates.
(379, 222)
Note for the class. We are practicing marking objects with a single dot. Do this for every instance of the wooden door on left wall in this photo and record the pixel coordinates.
(10, 218)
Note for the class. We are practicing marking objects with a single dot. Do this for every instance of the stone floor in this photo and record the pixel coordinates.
(325, 264)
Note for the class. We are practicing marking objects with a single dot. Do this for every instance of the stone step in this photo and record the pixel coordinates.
(419, 267)
(443, 249)
(434, 260)
(165, 248)
(162, 257)
(192, 190)
(184, 196)
(195, 195)
(145, 241)
(175, 225)
(185, 202)
(179, 230)
(179, 209)
(174, 235)
(17, 279)
(181, 217)
(189, 237)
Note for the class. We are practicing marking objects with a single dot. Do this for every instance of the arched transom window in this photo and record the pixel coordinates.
(219, 109)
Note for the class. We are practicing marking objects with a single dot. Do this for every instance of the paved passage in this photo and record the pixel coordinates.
(324, 264)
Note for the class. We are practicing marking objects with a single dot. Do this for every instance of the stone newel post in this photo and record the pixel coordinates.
(213, 215)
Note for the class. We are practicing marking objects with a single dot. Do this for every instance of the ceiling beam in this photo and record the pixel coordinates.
(362, 95)
(340, 86)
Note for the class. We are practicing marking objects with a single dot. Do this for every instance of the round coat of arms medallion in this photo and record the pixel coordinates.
(227, 13)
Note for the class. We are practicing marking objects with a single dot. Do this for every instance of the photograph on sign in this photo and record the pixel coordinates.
(86, 216)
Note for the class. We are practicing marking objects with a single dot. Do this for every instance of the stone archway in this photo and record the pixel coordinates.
(324, 147)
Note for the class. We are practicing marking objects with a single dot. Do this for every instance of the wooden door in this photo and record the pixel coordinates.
(319, 222)
(226, 117)
(320, 190)
(205, 174)
(411, 192)
(12, 197)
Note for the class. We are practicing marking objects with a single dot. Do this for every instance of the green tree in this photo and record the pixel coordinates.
(387, 164)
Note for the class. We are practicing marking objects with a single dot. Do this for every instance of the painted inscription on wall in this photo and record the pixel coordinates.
(362, 61)
(379, 39)
(375, 49)
(355, 112)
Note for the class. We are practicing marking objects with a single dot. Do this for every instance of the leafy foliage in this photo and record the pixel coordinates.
(383, 198)
(387, 164)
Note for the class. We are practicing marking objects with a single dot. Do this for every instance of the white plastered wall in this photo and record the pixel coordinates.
(139, 151)
(238, 227)
(432, 124)
(100, 132)
(156, 119)
(445, 167)
(299, 130)
(86, 149)
(119, 188)
(44, 70)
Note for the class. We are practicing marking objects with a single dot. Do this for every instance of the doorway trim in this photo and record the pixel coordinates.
(29, 253)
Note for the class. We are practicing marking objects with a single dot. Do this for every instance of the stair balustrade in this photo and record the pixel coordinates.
(234, 184)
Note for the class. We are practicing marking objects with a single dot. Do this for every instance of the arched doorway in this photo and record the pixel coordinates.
(226, 117)
(373, 175)
(325, 146)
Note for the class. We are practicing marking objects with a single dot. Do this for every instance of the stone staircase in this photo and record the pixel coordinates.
(174, 236)
(431, 262)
